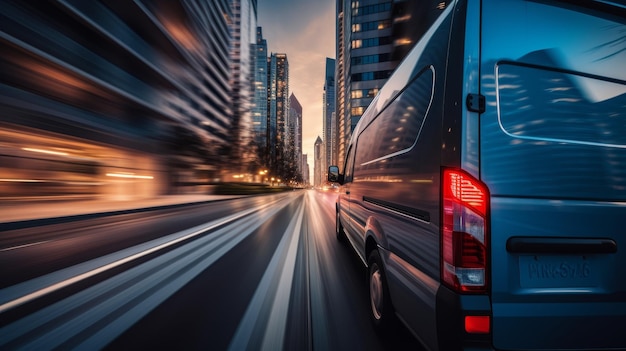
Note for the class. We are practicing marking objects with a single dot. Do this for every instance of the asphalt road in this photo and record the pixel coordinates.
(257, 273)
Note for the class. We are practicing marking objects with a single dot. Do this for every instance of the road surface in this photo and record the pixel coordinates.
(254, 273)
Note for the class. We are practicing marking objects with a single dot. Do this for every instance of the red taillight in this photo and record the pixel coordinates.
(477, 324)
(464, 232)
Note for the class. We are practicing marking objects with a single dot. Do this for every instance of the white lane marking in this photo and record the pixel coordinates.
(19, 294)
(276, 325)
(271, 327)
(94, 317)
(23, 246)
(318, 304)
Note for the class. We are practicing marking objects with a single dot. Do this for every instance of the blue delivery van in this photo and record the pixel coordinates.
(484, 188)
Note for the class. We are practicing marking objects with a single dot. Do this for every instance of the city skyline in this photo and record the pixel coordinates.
(305, 31)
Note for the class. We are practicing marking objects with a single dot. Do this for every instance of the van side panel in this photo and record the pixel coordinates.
(553, 154)
(397, 178)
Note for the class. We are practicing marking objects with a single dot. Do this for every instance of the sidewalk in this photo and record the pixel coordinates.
(16, 211)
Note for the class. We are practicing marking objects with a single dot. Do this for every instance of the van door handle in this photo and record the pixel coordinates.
(551, 245)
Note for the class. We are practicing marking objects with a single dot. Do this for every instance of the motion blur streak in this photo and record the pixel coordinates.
(15, 296)
(97, 315)
(278, 276)
(319, 251)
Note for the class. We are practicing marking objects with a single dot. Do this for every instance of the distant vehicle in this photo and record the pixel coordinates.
(485, 186)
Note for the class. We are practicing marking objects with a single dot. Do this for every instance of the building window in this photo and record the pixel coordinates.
(361, 93)
(374, 25)
(357, 111)
(366, 43)
(357, 77)
(364, 60)
(368, 10)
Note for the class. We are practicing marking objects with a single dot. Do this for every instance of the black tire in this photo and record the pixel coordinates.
(381, 310)
(341, 235)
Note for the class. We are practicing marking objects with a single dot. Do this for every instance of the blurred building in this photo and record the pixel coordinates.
(278, 109)
(294, 143)
(318, 162)
(260, 119)
(329, 123)
(115, 99)
(243, 40)
(373, 36)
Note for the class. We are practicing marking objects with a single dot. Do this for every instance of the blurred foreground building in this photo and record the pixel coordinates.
(243, 40)
(118, 99)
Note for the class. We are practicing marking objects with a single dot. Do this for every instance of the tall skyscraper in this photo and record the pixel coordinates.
(243, 37)
(295, 133)
(260, 115)
(278, 101)
(318, 162)
(306, 180)
(329, 114)
(341, 132)
(364, 48)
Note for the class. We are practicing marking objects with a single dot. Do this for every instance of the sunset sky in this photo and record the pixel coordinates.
(305, 31)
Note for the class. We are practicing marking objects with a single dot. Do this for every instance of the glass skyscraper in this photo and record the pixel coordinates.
(329, 123)
(294, 143)
(260, 103)
(278, 107)
(364, 48)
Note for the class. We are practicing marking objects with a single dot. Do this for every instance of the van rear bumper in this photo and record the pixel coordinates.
(451, 311)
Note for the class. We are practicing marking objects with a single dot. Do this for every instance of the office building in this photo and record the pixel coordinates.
(294, 144)
(364, 49)
(306, 180)
(318, 162)
(260, 120)
(278, 109)
(329, 123)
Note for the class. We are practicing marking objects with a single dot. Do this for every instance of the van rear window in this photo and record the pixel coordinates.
(549, 105)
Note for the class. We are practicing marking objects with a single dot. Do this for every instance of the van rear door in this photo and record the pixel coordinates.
(553, 154)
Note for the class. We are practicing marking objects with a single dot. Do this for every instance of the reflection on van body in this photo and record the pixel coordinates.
(484, 186)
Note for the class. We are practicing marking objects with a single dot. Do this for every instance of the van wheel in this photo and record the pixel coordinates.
(382, 312)
(341, 235)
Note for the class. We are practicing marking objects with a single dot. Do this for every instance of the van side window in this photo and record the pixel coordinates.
(396, 130)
